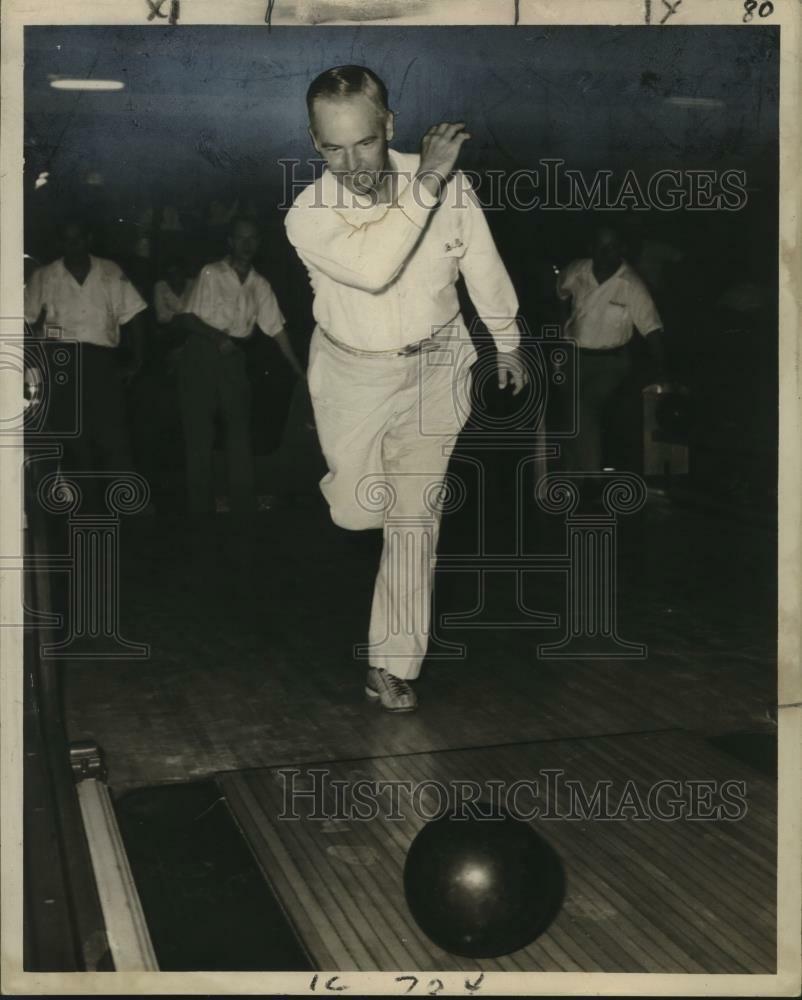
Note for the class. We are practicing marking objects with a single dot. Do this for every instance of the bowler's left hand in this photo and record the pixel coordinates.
(511, 371)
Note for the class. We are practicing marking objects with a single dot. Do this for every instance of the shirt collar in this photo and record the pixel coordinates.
(230, 266)
(66, 270)
(622, 272)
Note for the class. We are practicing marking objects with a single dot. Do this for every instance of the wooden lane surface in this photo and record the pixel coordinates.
(643, 894)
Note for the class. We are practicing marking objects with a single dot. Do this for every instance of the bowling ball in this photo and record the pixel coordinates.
(482, 887)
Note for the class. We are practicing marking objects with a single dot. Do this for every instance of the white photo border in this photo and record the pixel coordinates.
(16, 15)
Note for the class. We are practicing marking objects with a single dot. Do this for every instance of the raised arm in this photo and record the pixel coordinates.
(371, 256)
(368, 257)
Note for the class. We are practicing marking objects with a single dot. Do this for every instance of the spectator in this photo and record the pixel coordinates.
(88, 299)
(608, 301)
(226, 301)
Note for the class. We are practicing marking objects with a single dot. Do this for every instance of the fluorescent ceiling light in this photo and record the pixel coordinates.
(61, 83)
(696, 102)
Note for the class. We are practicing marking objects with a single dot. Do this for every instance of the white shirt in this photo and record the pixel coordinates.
(92, 312)
(166, 303)
(384, 276)
(219, 298)
(603, 315)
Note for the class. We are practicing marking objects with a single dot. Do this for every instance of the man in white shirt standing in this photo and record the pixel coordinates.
(385, 236)
(608, 302)
(227, 300)
(87, 299)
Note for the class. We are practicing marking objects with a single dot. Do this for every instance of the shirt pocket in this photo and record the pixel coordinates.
(442, 261)
(616, 318)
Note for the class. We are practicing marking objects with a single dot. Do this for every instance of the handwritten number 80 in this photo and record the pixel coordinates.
(763, 10)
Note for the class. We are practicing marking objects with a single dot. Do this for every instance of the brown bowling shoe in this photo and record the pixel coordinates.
(394, 694)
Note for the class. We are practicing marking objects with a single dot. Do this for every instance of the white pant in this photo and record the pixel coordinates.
(387, 427)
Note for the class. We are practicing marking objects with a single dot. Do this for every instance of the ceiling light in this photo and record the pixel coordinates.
(62, 83)
(696, 102)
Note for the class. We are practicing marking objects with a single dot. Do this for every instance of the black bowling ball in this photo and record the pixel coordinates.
(482, 887)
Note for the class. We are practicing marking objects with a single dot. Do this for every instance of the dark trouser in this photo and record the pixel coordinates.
(101, 444)
(300, 464)
(601, 373)
(209, 383)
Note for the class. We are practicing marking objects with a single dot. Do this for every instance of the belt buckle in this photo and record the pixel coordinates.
(412, 349)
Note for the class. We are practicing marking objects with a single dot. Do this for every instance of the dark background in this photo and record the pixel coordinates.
(207, 113)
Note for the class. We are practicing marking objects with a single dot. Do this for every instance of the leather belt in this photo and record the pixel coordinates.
(420, 346)
(605, 350)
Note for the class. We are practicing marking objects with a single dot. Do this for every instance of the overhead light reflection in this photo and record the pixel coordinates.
(696, 102)
(63, 83)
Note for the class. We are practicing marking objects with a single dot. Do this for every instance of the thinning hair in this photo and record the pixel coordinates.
(346, 81)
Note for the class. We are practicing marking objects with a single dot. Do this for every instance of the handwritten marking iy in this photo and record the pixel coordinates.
(671, 9)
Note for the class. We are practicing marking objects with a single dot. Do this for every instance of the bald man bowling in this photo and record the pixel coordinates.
(385, 236)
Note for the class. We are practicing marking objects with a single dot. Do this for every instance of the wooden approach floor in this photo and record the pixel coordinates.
(251, 648)
(695, 896)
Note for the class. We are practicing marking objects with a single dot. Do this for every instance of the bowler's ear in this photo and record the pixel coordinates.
(389, 125)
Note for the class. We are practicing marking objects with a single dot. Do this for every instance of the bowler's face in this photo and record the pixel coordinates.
(351, 134)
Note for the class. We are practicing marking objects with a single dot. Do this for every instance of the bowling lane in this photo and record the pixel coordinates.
(650, 887)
